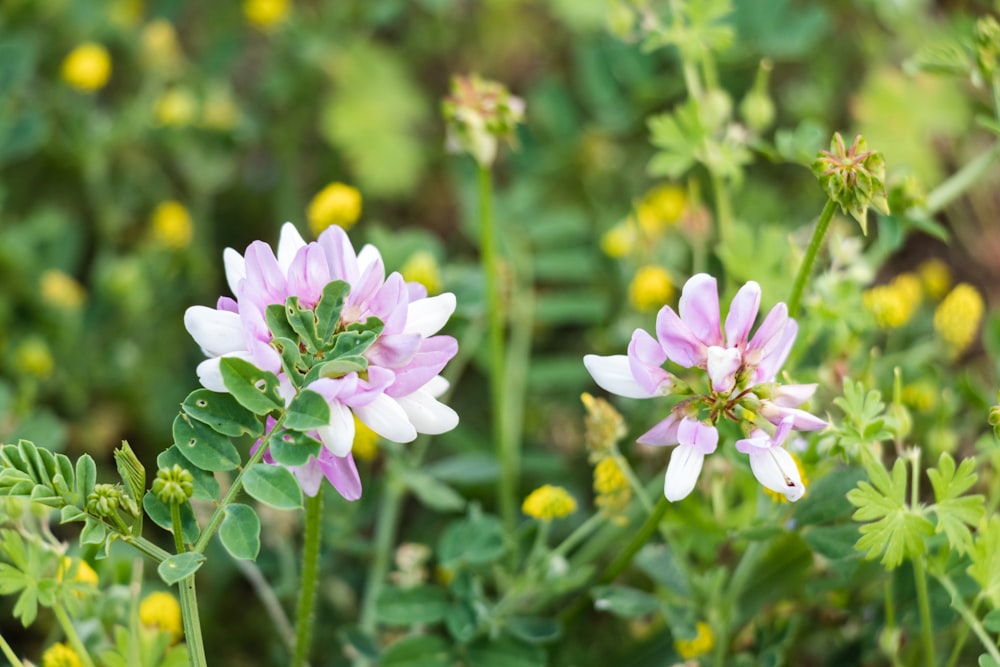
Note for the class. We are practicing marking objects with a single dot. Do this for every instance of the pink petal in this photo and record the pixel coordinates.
(722, 365)
(645, 358)
(697, 434)
(699, 308)
(663, 434)
(681, 345)
(742, 313)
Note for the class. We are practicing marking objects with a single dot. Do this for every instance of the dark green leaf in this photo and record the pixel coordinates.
(411, 606)
(303, 322)
(533, 629)
(277, 322)
(86, 476)
(461, 623)
(291, 359)
(474, 540)
(337, 368)
(180, 566)
(432, 493)
(222, 413)
(240, 532)
(504, 652)
(308, 411)
(204, 447)
(418, 651)
(273, 485)
(660, 565)
(254, 389)
(826, 500)
(293, 448)
(832, 542)
(329, 307)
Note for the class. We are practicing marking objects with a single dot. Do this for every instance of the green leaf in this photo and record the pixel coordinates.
(336, 368)
(432, 493)
(240, 532)
(953, 511)
(354, 341)
(86, 476)
(985, 557)
(328, 309)
(418, 651)
(254, 389)
(827, 497)
(293, 448)
(180, 566)
(533, 629)
(206, 487)
(291, 359)
(303, 322)
(222, 413)
(93, 532)
(832, 542)
(659, 564)
(203, 447)
(132, 472)
(986, 660)
(421, 605)
(71, 513)
(992, 621)
(308, 411)
(159, 512)
(461, 622)
(12, 580)
(277, 323)
(624, 601)
(678, 136)
(504, 652)
(26, 607)
(274, 486)
(474, 541)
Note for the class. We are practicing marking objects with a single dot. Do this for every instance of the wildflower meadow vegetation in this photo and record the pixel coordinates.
(499, 333)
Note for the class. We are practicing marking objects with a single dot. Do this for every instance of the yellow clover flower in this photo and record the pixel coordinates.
(60, 655)
(365, 445)
(171, 225)
(957, 317)
(176, 107)
(611, 486)
(33, 357)
(421, 267)
(894, 304)
(701, 644)
(336, 204)
(935, 276)
(61, 290)
(650, 288)
(160, 49)
(619, 241)
(266, 14)
(549, 502)
(87, 67)
(161, 610)
(660, 207)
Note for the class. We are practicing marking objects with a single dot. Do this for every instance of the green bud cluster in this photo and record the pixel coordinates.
(479, 114)
(104, 500)
(174, 485)
(987, 45)
(853, 178)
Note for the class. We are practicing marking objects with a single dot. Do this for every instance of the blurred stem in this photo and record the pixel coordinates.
(723, 210)
(506, 449)
(9, 653)
(920, 572)
(146, 547)
(135, 591)
(71, 636)
(267, 597)
(385, 533)
(805, 270)
(889, 597)
(582, 532)
(971, 621)
(960, 181)
(309, 582)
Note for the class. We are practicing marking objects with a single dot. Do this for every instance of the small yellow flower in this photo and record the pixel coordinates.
(61, 290)
(549, 502)
(336, 204)
(650, 289)
(365, 445)
(922, 396)
(32, 357)
(619, 241)
(219, 111)
(702, 643)
(266, 14)
(160, 49)
(780, 497)
(894, 304)
(957, 317)
(421, 267)
(171, 225)
(660, 207)
(603, 426)
(60, 655)
(84, 573)
(611, 486)
(161, 610)
(126, 13)
(87, 67)
(176, 107)
(935, 276)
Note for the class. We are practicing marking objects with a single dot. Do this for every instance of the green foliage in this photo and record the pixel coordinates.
(419, 605)
(274, 486)
(985, 557)
(180, 566)
(864, 420)
(254, 389)
(202, 446)
(954, 512)
(240, 532)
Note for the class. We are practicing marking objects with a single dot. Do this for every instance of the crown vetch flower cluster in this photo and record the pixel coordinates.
(741, 373)
(392, 382)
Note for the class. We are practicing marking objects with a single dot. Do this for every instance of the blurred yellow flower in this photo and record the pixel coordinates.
(161, 610)
(61, 290)
(921, 396)
(365, 445)
(336, 204)
(32, 357)
(611, 486)
(603, 427)
(548, 502)
(60, 655)
(701, 644)
(660, 207)
(421, 267)
(160, 49)
(219, 111)
(619, 241)
(266, 14)
(935, 276)
(87, 67)
(176, 107)
(126, 13)
(171, 225)
(957, 317)
(650, 289)
(84, 573)
(895, 303)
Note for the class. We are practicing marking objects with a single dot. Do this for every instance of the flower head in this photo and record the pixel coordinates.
(62, 290)
(87, 67)
(421, 267)
(650, 288)
(549, 502)
(266, 15)
(699, 645)
(336, 204)
(957, 317)
(60, 655)
(480, 114)
(853, 178)
(161, 610)
(171, 225)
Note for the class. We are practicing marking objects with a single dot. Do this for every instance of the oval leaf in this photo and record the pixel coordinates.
(293, 448)
(274, 486)
(410, 606)
(180, 566)
(206, 487)
(222, 412)
(240, 532)
(307, 411)
(476, 541)
(254, 389)
(420, 651)
(204, 447)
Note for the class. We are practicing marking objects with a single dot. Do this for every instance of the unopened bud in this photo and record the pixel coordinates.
(480, 114)
(994, 418)
(174, 485)
(757, 108)
(104, 500)
(853, 178)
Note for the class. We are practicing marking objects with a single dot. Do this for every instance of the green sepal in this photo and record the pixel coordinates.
(307, 411)
(240, 532)
(204, 447)
(159, 512)
(274, 486)
(254, 389)
(222, 413)
(179, 566)
(206, 487)
(293, 448)
(329, 308)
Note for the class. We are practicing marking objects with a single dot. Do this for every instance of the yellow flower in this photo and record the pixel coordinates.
(549, 502)
(84, 573)
(619, 241)
(894, 304)
(702, 643)
(921, 396)
(87, 67)
(61, 290)
(161, 610)
(611, 486)
(603, 426)
(780, 497)
(660, 207)
(266, 14)
(935, 276)
(32, 357)
(650, 288)
(160, 48)
(365, 445)
(957, 317)
(126, 13)
(60, 655)
(171, 225)
(219, 111)
(336, 204)
(176, 107)
(422, 268)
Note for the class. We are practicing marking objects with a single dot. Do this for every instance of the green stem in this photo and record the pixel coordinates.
(723, 210)
(9, 653)
(506, 449)
(960, 181)
(71, 636)
(805, 270)
(146, 547)
(385, 531)
(267, 596)
(192, 622)
(578, 535)
(970, 618)
(920, 572)
(178, 528)
(310, 571)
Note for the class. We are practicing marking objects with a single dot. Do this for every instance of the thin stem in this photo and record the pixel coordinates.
(960, 181)
(578, 535)
(146, 547)
(71, 636)
(506, 453)
(192, 622)
(385, 530)
(267, 597)
(970, 619)
(310, 571)
(723, 210)
(920, 572)
(805, 270)
(178, 528)
(9, 653)
(633, 481)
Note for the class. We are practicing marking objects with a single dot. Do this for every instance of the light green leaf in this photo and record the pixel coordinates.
(86, 476)
(93, 532)
(474, 540)
(308, 411)
(180, 566)
(421, 605)
(624, 601)
(992, 621)
(254, 389)
(222, 413)
(955, 512)
(203, 447)
(240, 532)
(274, 486)
(418, 651)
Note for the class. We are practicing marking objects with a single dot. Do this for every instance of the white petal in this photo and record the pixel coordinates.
(236, 269)
(210, 376)
(289, 245)
(385, 416)
(775, 469)
(338, 437)
(218, 332)
(682, 472)
(436, 386)
(613, 374)
(427, 316)
(428, 414)
(368, 255)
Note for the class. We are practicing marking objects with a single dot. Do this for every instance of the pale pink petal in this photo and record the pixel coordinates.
(663, 434)
(774, 358)
(681, 345)
(801, 420)
(703, 437)
(722, 365)
(775, 469)
(614, 375)
(742, 313)
(217, 332)
(793, 395)
(340, 254)
(342, 473)
(427, 316)
(338, 435)
(235, 267)
(427, 414)
(645, 358)
(308, 273)
(699, 308)
(289, 244)
(385, 416)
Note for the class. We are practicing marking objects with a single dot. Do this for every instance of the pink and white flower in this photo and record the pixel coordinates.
(771, 463)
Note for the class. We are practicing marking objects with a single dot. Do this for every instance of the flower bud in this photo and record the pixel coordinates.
(994, 418)
(853, 178)
(987, 45)
(757, 108)
(479, 114)
(174, 485)
(104, 500)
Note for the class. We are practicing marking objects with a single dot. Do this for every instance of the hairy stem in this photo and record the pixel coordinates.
(805, 270)
(309, 582)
